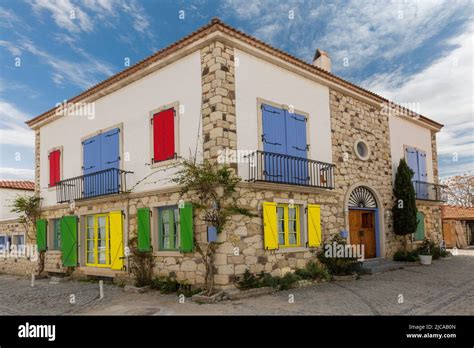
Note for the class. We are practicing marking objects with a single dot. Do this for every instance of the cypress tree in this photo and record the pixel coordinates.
(404, 210)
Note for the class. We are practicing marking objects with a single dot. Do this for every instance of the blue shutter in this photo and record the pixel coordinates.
(412, 161)
(422, 174)
(274, 134)
(296, 146)
(274, 141)
(91, 164)
(110, 158)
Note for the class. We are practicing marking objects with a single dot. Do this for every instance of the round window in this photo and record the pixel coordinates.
(362, 149)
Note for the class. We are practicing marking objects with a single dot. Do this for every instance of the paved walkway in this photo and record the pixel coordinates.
(446, 287)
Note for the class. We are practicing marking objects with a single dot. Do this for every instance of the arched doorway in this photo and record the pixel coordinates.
(363, 221)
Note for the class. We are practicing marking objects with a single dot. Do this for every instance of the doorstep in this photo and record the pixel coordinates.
(100, 272)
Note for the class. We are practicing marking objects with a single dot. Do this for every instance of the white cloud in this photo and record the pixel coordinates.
(65, 14)
(17, 173)
(363, 32)
(444, 92)
(14, 50)
(13, 131)
(7, 18)
(82, 74)
(138, 15)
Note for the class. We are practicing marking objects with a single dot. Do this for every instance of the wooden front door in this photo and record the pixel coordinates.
(362, 230)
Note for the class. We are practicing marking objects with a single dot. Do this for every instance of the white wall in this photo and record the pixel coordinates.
(7, 196)
(406, 133)
(180, 81)
(256, 78)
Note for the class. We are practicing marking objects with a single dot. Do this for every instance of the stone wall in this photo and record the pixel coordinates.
(15, 263)
(218, 99)
(433, 224)
(352, 119)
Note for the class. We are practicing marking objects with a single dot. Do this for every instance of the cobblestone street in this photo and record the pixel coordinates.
(446, 287)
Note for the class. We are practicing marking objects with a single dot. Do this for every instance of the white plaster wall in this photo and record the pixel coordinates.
(256, 78)
(7, 196)
(406, 133)
(130, 105)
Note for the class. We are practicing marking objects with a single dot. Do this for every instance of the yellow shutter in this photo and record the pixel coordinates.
(270, 232)
(116, 240)
(314, 225)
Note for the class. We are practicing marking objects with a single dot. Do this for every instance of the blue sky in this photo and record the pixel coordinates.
(417, 53)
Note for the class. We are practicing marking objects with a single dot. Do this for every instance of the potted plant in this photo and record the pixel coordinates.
(424, 253)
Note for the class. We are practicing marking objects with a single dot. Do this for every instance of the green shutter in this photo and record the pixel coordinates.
(41, 234)
(143, 217)
(186, 228)
(420, 229)
(69, 240)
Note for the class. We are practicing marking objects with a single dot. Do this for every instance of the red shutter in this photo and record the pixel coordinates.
(163, 135)
(54, 169)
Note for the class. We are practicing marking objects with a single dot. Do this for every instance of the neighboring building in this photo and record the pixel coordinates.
(458, 226)
(321, 157)
(12, 231)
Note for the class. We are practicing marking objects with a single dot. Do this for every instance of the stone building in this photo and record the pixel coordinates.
(13, 234)
(316, 154)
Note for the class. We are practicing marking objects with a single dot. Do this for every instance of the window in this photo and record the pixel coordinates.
(168, 228)
(19, 241)
(5, 242)
(416, 160)
(284, 133)
(101, 152)
(362, 149)
(55, 234)
(54, 167)
(97, 240)
(163, 131)
(288, 224)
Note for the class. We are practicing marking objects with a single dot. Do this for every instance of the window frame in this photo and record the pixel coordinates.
(98, 132)
(108, 260)
(286, 220)
(51, 235)
(61, 155)
(175, 105)
(176, 227)
(261, 101)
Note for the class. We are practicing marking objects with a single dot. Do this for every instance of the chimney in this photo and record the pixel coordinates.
(322, 60)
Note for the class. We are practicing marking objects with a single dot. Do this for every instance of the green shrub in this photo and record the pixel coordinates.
(166, 285)
(267, 280)
(339, 265)
(445, 253)
(428, 247)
(169, 285)
(406, 256)
(313, 271)
(288, 280)
(248, 281)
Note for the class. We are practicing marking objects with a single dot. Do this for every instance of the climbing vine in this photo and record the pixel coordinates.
(215, 188)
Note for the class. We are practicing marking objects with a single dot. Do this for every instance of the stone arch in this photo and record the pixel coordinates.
(365, 189)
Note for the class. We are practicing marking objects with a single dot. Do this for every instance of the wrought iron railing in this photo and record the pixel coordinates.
(101, 183)
(284, 169)
(429, 191)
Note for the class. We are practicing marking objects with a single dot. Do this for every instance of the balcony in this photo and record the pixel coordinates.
(429, 192)
(102, 183)
(290, 170)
